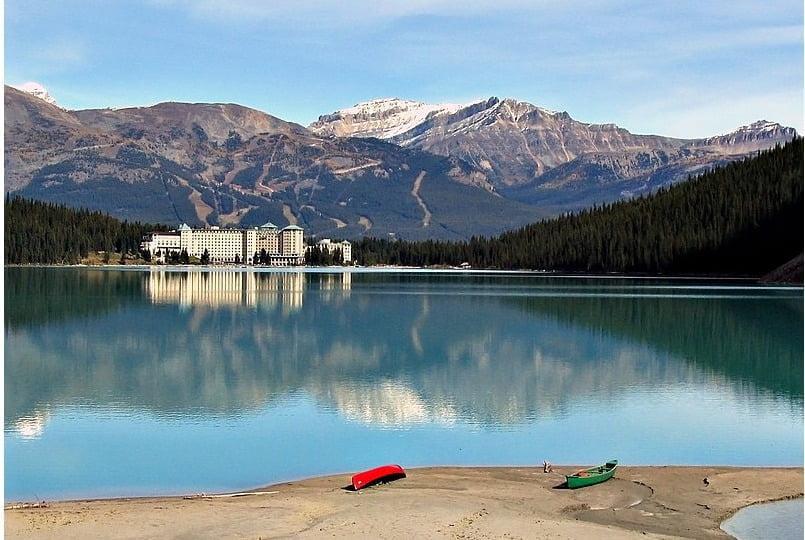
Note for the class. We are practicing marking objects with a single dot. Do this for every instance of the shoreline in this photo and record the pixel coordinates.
(435, 502)
(757, 280)
(347, 475)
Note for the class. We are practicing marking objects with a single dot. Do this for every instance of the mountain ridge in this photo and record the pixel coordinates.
(230, 165)
(36, 90)
(445, 171)
(517, 142)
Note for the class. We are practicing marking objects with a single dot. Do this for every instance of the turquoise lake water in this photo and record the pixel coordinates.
(162, 382)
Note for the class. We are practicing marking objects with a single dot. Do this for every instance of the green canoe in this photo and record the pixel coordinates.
(589, 477)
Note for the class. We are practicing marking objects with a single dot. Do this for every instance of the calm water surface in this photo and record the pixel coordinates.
(778, 520)
(145, 382)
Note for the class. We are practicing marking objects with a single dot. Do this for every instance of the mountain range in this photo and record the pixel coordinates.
(536, 155)
(385, 168)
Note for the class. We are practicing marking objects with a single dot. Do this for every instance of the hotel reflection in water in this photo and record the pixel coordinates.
(227, 288)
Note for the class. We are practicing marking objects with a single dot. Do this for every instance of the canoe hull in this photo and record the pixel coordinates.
(590, 477)
(386, 473)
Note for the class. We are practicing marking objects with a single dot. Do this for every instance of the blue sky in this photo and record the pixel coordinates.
(671, 67)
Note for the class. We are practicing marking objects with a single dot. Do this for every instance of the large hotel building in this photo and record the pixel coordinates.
(284, 247)
(325, 244)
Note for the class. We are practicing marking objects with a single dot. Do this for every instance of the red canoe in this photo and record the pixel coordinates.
(386, 473)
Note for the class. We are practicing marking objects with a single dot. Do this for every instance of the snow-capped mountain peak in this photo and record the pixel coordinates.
(751, 137)
(36, 90)
(760, 126)
(514, 142)
(383, 118)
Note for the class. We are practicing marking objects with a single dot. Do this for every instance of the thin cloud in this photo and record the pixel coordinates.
(62, 53)
(331, 13)
(693, 113)
(762, 36)
(644, 65)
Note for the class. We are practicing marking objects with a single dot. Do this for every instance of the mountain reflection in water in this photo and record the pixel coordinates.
(457, 356)
(399, 350)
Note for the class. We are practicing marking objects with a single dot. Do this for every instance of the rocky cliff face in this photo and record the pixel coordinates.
(385, 168)
(381, 118)
(756, 136)
(518, 144)
(225, 164)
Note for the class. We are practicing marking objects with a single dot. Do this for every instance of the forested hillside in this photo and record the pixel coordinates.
(491, 167)
(745, 218)
(742, 219)
(45, 233)
(227, 165)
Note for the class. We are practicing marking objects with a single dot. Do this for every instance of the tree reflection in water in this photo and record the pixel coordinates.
(385, 349)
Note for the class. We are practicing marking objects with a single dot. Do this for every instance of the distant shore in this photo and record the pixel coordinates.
(471, 502)
(392, 268)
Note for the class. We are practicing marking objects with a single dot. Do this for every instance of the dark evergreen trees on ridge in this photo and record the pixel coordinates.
(742, 219)
(46, 233)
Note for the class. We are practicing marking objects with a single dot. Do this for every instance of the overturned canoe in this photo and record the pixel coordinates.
(386, 473)
(595, 475)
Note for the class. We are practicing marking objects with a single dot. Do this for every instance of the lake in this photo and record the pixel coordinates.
(141, 382)
(779, 520)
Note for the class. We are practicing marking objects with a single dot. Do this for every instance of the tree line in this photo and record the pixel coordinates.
(46, 233)
(744, 218)
(318, 256)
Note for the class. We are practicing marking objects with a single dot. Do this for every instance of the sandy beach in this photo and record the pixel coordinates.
(504, 502)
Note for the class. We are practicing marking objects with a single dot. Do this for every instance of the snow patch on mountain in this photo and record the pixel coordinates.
(752, 137)
(36, 90)
(407, 122)
(382, 118)
(760, 126)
